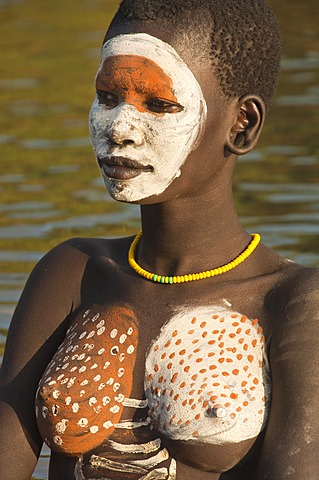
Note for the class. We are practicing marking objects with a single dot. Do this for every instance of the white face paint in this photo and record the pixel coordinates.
(153, 116)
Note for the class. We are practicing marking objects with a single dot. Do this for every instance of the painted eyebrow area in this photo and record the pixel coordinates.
(136, 78)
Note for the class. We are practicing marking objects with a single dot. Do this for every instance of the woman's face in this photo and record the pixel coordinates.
(148, 115)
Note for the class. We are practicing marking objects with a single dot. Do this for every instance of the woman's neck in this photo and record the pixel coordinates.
(188, 235)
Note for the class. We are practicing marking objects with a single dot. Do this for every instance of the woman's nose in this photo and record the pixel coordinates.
(126, 127)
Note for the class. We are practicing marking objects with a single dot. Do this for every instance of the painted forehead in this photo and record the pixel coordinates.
(134, 74)
(163, 55)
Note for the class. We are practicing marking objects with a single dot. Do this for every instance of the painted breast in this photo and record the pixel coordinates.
(207, 377)
(80, 396)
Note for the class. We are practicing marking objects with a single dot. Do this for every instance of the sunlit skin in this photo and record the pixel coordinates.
(189, 227)
(137, 81)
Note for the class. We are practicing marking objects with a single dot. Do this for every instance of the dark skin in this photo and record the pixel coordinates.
(199, 208)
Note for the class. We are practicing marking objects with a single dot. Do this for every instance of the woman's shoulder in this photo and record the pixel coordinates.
(99, 247)
(294, 302)
(79, 250)
(63, 267)
(298, 283)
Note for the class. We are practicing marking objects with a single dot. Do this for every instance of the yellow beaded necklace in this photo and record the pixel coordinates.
(191, 276)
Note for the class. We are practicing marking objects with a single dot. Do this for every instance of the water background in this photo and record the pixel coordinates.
(50, 187)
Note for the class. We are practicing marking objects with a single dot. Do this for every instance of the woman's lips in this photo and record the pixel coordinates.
(121, 168)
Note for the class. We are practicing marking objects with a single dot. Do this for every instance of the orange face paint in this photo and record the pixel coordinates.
(149, 110)
(135, 80)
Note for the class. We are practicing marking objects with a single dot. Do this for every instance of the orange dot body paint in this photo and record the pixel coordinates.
(80, 396)
(148, 115)
(219, 377)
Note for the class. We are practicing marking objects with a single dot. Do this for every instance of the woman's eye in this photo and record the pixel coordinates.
(106, 99)
(158, 105)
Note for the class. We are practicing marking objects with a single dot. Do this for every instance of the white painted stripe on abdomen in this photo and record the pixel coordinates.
(135, 403)
(152, 461)
(148, 447)
(131, 425)
(162, 473)
(172, 470)
(102, 462)
(157, 474)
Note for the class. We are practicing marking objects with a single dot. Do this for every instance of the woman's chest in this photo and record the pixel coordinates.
(207, 377)
(194, 374)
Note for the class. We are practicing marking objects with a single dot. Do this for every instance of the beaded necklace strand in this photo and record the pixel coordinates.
(191, 276)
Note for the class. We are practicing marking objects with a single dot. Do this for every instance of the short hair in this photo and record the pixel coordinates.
(244, 37)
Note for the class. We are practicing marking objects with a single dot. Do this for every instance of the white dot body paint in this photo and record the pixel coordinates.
(56, 394)
(83, 422)
(108, 424)
(61, 426)
(57, 440)
(115, 409)
(211, 362)
(162, 142)
(113, 333)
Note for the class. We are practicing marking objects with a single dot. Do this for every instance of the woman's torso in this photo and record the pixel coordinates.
(193, 359)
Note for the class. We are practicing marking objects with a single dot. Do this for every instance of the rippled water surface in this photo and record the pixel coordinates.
(50, 188)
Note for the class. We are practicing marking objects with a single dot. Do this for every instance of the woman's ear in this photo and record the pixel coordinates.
(245, 133)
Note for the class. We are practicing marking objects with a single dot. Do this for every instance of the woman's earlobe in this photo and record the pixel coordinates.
(245, 133)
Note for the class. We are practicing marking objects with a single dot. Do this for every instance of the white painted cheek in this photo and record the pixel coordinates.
(99, 123)
(169, 141)
(172, 140)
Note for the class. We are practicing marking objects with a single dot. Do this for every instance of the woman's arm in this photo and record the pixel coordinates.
(37, 328)
(291, 446)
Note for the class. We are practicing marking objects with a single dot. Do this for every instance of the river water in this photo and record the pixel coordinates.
(50, 187)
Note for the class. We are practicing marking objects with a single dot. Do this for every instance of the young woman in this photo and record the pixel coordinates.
(190, 350)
